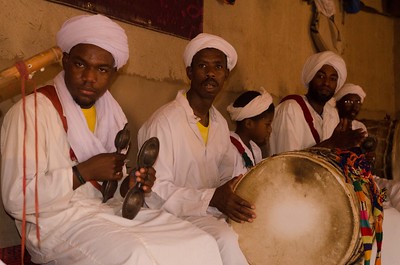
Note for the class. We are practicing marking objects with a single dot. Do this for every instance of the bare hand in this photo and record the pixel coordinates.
(102, 167)
(344, 137)
(146, 176)
(236, 208)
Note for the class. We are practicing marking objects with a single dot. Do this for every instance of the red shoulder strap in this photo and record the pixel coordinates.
(307, 115)
(237, 144)
(240, 148)
(50, 93)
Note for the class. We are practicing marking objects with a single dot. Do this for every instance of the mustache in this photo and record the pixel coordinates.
(210, 81)
(87, 86)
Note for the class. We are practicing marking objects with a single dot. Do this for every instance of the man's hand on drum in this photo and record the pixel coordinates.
(236, 208)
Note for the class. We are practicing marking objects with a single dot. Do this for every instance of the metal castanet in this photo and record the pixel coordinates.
(121, 142)
(134, 199)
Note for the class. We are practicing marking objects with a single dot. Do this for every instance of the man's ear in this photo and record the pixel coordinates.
(65, 59)
(248, 123)
(227, 73)
(189, 72)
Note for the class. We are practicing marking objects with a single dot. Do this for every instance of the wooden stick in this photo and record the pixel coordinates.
(33, 64)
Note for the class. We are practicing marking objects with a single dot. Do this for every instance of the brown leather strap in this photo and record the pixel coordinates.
(307, 115)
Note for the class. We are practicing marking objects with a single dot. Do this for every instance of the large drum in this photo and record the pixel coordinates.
(306, 213)
(387, 153)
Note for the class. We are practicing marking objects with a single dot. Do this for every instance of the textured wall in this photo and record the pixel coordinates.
(271, 37)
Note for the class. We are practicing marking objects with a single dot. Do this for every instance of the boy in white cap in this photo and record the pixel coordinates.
(196, 158)
(77, 122)
(303, 121)
(253, 113)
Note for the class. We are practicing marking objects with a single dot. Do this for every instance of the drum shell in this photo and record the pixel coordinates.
(386, 132)
(322, 223)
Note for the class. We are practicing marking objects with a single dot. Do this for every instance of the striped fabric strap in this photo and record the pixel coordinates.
(247, 161)
(357, 171)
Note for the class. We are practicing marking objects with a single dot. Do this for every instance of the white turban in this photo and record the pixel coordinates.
(97, 30)
(255, 107)
(205, 40)
(315, 62)
(350, 89)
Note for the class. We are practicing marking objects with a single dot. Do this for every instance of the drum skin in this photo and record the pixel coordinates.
(306, 213)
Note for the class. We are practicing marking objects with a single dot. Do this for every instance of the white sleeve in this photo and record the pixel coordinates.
(178, 200)
(54, 173)
(288, 130)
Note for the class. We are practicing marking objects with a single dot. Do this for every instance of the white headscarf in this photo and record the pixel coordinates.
(315, 62)
(85, 143)
(205, 40)
(97, 30)
(255, 107)
(350, 89)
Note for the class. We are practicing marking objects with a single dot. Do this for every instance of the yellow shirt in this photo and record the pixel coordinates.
(90, 116)
(203, 131)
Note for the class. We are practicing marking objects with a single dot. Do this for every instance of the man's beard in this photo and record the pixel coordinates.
(321, 98)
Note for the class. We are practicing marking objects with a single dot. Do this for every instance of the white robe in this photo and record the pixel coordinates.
(391, 222)
(189, 171)
(355, 124)
(75, 227)
(290, 131)
(255, 155)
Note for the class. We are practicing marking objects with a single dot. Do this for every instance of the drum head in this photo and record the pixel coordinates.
(306, 214)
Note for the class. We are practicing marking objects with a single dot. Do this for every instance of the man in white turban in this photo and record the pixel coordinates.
(349, 100)
(195, 164)
(253, 112)
(303, 121)
(74, 151)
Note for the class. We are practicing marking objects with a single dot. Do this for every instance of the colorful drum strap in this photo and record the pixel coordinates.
(357, 171)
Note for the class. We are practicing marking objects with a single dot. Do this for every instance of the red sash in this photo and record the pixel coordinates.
(307, 115)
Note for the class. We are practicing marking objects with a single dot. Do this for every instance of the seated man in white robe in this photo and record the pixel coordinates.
(303, 121)
(253, 113)
(195, 165)
(52, 181)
